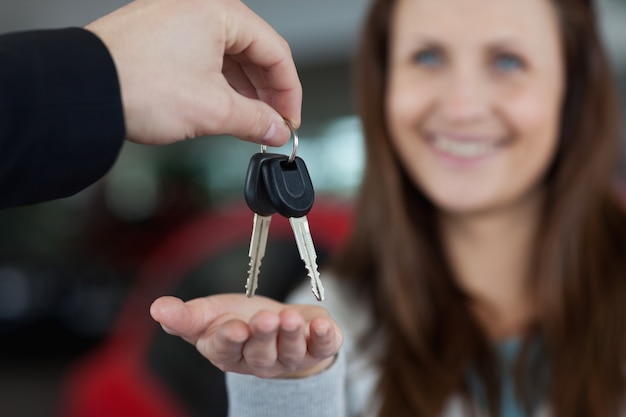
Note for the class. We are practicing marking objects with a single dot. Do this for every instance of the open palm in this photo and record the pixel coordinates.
(256, 336)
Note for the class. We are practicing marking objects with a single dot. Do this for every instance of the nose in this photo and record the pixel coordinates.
(465, 96)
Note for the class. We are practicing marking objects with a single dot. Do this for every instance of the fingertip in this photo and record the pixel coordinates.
(235, 331)
(163, 309)
(264, 322)
(295, 122)
(291, 320)
(321, 327)
(326, 339)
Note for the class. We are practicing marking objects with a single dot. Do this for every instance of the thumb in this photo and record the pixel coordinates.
(176, 317)
(255, 121)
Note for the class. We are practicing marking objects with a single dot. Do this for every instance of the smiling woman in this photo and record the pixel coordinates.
(487, 211)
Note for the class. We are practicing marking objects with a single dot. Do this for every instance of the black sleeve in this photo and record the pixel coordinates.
(61, 116)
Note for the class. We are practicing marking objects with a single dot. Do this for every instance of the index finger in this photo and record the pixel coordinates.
(258, 43)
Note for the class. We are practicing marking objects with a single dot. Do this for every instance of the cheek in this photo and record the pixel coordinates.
(535, 118)
(405, 106)
(398, 105)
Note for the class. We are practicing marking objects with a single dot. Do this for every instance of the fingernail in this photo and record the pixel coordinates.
(275, 133)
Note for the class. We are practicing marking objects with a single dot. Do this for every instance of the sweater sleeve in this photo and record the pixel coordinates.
(321, 395)
(61, 115)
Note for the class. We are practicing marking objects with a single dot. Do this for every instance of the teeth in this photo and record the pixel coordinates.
(463, 149)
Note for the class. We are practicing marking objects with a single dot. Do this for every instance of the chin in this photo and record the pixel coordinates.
(462, 204)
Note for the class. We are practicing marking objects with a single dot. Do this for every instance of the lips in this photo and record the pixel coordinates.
(464, 148)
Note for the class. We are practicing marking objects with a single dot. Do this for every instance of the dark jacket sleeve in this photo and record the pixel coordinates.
(61, 116)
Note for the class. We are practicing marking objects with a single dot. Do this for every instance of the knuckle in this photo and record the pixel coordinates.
(323, 350)
(286, 47)
(260, 363)
(291, 359)
(222, 357)
(259, 124)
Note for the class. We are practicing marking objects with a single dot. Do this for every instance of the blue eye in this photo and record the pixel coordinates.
(428, 58)
(508, 63)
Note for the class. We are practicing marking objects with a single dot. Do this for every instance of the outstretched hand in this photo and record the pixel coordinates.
(256, 336)
(189, 68)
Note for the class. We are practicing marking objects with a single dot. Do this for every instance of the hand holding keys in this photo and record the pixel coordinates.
(279, 184)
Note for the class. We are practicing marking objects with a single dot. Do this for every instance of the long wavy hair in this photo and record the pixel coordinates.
(395, 256)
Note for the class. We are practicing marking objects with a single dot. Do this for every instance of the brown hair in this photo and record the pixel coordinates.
(395, 255)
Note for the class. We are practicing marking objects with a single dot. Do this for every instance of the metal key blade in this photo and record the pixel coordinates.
(258, 242)
(300, 226)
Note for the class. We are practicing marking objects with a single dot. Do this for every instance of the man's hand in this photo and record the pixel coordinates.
(189, 68)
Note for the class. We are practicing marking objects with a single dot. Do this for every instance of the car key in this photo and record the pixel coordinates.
(290, 191)
(258, 201)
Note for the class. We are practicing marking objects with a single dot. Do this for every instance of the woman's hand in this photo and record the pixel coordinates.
(256, 336)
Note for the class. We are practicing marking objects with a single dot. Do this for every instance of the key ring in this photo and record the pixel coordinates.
(294, 134)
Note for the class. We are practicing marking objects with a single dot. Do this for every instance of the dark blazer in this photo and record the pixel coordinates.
(61, 116)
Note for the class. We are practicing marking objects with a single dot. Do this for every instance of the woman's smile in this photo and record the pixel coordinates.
(461, 147)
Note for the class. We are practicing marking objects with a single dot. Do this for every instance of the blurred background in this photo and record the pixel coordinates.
(69, 267)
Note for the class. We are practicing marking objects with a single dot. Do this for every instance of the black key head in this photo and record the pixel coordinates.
(288, 186)
(254, 190)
